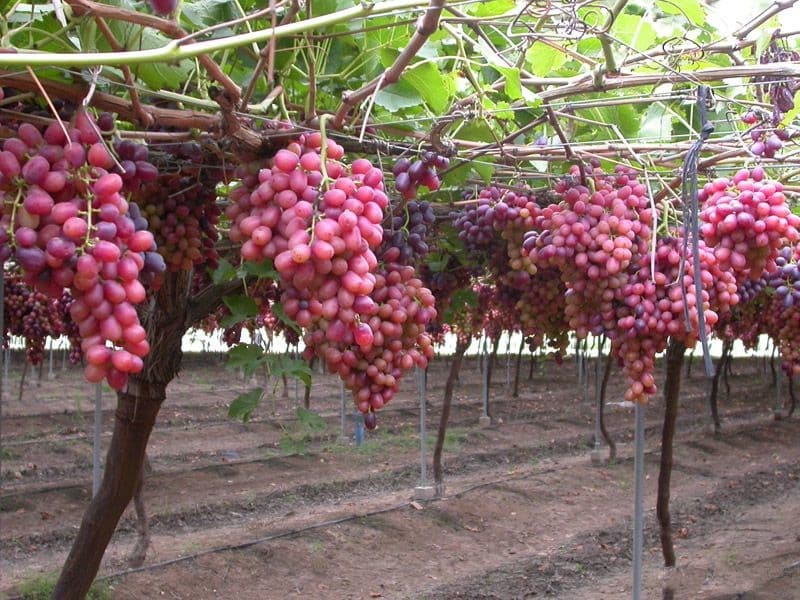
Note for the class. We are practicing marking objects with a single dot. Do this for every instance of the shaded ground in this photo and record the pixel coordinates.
(525, 513)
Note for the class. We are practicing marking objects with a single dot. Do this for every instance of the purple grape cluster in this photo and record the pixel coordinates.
(405, 240)
(409, 176)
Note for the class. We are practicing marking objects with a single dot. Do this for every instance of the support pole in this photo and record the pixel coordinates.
(485, 420)
(597, 458)
(98, 429)
(424, 491)
(638, 502)
(778, 410)
(343, 406)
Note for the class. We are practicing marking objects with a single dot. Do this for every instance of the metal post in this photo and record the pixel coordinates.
(98, 428)
(485, 420)
(508, 362)
(778, 398)
(50, 373)
(423, 491)
(638, 502)
(344, 410)
(2, 329)
(597, 458)
(359, 423)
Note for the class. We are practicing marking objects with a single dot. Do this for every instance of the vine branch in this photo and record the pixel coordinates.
(426, 26)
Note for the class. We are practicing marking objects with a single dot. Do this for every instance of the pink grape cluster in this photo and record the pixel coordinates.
(746, 220)
(409, 175)
(32, 315)
(320, 222)
(68, 225)
(649, 308)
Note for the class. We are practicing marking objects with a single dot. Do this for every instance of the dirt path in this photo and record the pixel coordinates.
(217, 483)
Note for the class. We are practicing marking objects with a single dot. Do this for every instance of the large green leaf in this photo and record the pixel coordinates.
(244, 404)
(543, 60)
(241, 307)
(247, 357)
(435, 88)
(398, 96)
(635, 31)
(692, 9)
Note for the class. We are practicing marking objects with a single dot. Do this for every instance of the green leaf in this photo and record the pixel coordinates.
(513, 87)
(491, 8)
(397, 96)
(224, 272)
(244, 404)
(280, 365)
(310, 419)
(656, 123)
(262, 270)
(543, 60)
(247, 357)
(635, 31)
(431, 85)
(203, 13)
(692, 9)
(277, 310)
(462, 299)
(241, 307)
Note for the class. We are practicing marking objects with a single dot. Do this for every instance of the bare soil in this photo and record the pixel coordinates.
(270, 509)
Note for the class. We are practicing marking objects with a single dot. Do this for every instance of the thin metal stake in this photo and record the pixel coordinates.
(423, 447)
(344, 408)
(597, 432)
(638, 502)
(98, 426)
(778, 378)
(50, 373)
(485, 390)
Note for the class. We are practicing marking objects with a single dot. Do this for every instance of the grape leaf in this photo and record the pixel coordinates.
(277, 310)
(247, 357)
(244, 404)
(241, 307)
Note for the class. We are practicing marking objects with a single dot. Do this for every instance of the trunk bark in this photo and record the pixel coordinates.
(165, 318)
(455, 367)
(672, 388)
(139, 553)
(307, 391)
(792, 397)
(134, 419)
(532, 366)
(714, 393)
(517, 366)
(492, 360)
(612, 447)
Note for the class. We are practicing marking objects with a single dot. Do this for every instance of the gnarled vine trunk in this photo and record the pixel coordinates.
(612, 447)
(672, 388)
(517, 366)
(166, 319)
(455, 367)
(714, 393)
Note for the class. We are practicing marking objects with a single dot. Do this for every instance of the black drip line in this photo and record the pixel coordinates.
(691, 225)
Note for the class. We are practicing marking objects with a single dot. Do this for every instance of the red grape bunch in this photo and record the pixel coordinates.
(180, 209)
(410, 175)
(31, 315)
(405, 238)
(70, 227)
(746, 221)
(321, 222)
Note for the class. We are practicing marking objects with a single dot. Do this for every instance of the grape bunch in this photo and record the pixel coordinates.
(785, 279)
(180, 209)
(746, 221)
(405, 238)
(67, 225)
(409, 175)
(767, 132)
(320, 221)
(30, 314)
